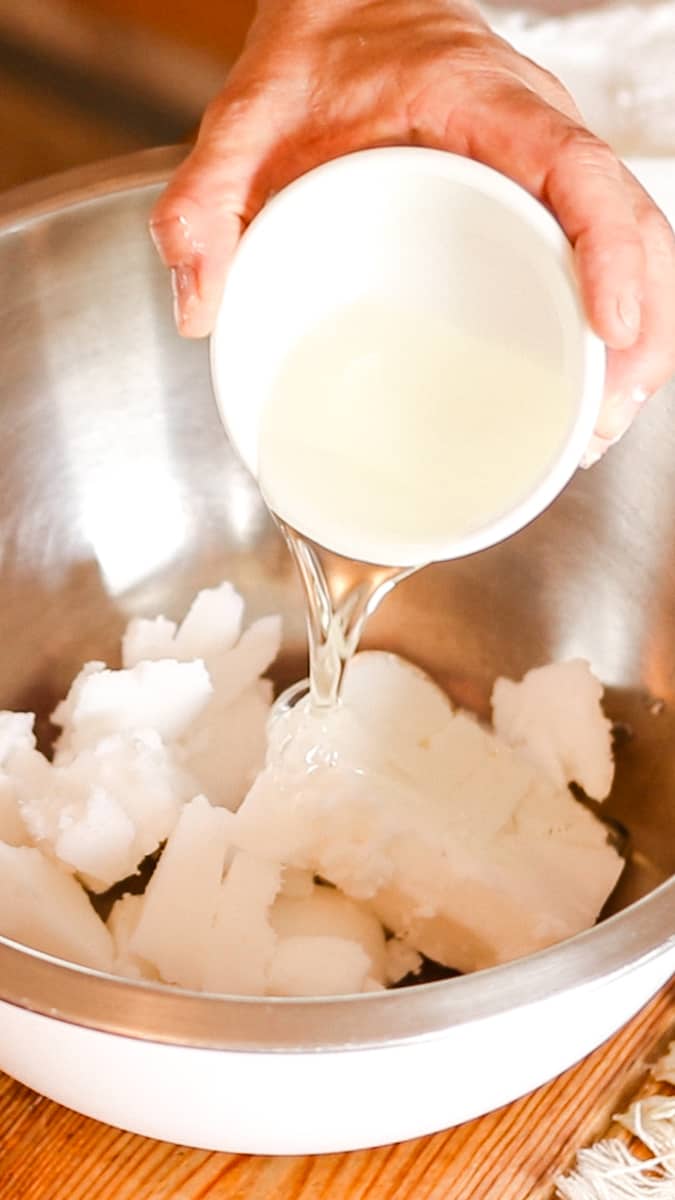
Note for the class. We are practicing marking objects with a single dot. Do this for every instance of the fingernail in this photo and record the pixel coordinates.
(630, 311)
(595, 450)
(156, 230)
(185, 294)
(616, 418)
(618, 413)
(171, 233)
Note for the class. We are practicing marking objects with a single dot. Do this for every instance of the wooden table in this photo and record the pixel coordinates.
(50, 1153)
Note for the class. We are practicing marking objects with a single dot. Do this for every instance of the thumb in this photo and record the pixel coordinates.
(198, 220)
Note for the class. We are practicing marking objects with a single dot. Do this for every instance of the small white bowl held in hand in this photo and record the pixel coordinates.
(419, 228)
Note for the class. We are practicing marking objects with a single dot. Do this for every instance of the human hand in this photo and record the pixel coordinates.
(320, 78)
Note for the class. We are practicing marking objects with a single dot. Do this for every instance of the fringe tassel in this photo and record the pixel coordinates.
(664, 1070)
(608, 1171)
(653, 1121)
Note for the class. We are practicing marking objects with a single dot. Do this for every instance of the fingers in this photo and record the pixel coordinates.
(587, 189)
(624, 248)
(634, 374)
(197, 243)
(579, 178)
(197, 222)
(650, 362)
(619, 410)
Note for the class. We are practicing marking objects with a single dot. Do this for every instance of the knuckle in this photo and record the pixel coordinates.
(470, 44)
(466, 52)
(232, 110)
(658, 233)
(557, 94)
(552, 82)
(578, 147)
(174, 211)
(601, 251)
(220, 110)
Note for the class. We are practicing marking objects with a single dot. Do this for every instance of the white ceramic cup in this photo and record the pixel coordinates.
(407, 222)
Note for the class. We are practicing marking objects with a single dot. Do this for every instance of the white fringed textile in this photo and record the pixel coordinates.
(653, 1121)
(664, 1070)
(608, 1171)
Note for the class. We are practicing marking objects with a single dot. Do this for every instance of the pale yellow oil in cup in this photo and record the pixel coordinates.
(388, 427)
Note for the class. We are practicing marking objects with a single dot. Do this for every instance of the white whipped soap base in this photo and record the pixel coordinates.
(387, 428)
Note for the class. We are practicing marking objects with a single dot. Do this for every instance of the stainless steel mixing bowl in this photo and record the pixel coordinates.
(119, 495)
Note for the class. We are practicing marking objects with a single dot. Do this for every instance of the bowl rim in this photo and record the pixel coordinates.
(149, 1011)
(155, 1012)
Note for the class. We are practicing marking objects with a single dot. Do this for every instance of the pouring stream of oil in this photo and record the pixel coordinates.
(337, 609)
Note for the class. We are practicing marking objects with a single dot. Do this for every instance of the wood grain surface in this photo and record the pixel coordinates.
(50, 1153)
